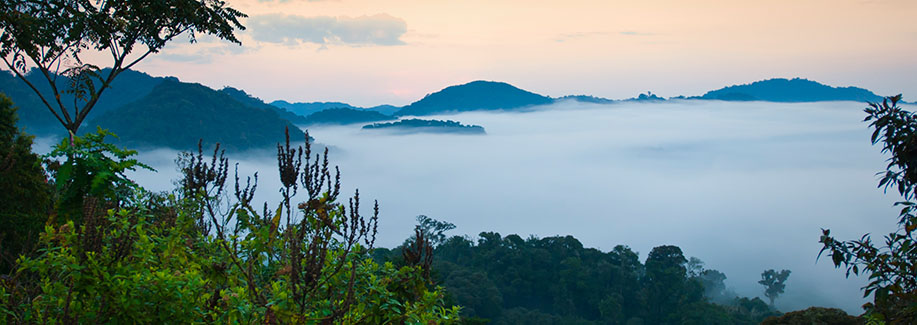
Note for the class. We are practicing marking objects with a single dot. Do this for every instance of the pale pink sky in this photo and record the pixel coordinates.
(370, 52)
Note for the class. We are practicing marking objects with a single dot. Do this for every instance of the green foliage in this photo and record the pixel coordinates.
(555, 280)
(774, 283)
(892, 265)
(667, 286)
(24, 192)
(91, 169)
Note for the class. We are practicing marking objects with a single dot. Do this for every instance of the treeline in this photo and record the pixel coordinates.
(555, 280)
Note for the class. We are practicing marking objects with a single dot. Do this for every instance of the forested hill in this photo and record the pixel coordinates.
(34, 116)
(476, 95)
(176, 114)
(790, 90)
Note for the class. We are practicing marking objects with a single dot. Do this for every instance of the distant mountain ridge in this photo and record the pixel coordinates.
(790, 90)
(343, 116)
(135, 89)
(472, 96)
(306, 109)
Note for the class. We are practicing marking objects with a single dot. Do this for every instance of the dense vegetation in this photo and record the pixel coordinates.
(431, 126)
(555, 280)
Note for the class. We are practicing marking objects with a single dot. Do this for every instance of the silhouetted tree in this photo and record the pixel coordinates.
(774, 282)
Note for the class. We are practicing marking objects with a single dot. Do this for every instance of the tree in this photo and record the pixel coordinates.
(666, 284)
(433, 229)
(24, 191)
(50, 36)
(774, 283)
(892, 266)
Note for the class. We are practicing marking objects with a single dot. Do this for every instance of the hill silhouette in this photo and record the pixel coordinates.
(343, 116)
(177, 114)
(475, 95)
(306, 109)
(790, 90)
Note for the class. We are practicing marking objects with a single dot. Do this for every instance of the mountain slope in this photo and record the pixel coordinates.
(790, 90)
(177, 114)
(306, 109)
(476, 95)
(342, 116)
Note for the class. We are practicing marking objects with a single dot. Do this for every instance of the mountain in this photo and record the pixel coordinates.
(127, 87)
(342, 116)
(306, 109)
(176, 114)
(790, 90)
(427, 126)
(475, 95)
(385, 109)
(244, 98)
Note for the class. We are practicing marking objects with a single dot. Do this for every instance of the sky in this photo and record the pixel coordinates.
(371, 52)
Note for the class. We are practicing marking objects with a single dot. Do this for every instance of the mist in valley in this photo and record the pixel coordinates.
(744, 186)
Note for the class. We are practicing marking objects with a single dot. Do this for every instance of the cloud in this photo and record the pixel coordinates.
(380, 29)
(202, 50)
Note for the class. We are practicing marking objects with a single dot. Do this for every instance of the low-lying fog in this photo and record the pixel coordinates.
(743, 186)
